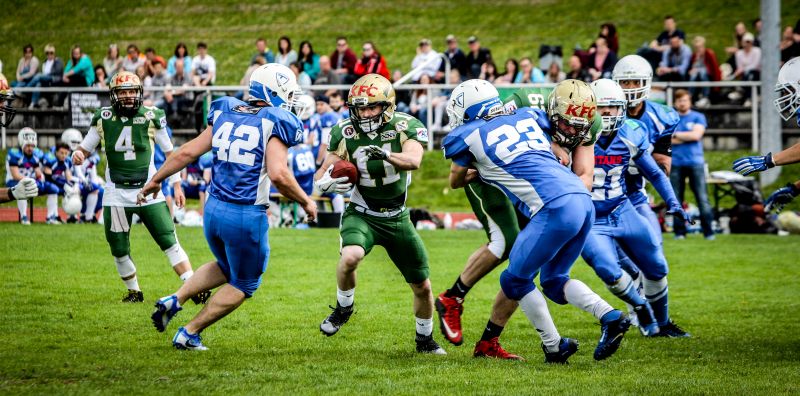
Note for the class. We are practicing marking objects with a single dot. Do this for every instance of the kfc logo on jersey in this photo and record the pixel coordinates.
(585, 111)
(348, 132)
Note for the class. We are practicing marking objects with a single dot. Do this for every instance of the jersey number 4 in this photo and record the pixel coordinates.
(124, 144)
(238, 150)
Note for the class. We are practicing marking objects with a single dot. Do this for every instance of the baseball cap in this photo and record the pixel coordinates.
(450, 38)
(748, 37)
(472, 39)
(424, 42)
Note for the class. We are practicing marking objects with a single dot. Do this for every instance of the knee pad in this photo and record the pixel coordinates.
(553, 288)
(515, 287)
(655, 289)
(176, 255)
(125, 266)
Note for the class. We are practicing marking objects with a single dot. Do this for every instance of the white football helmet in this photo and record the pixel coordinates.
(788, 88)
(72, 199)
(27, 136)
(307, 106)
(471, 100)
(72, 137)
(634, 67)
(275, 84)
(609, 94)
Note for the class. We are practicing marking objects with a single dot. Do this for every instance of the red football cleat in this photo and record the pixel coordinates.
(492, 349)
(450, 309)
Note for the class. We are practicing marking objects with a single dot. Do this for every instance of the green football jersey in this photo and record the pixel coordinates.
(381, 186)
(129, 143)
(537, 98)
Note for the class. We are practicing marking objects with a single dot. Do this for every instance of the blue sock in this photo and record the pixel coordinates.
(611, 316)
(660, 309)
(630, 295)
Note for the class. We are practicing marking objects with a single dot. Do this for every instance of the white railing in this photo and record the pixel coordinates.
(669, 87)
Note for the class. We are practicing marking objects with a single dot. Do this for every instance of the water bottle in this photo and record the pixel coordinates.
(448, 221)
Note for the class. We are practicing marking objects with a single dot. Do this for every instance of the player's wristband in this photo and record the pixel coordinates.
(769, 161)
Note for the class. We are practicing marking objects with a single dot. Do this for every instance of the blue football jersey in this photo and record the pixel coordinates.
(302, 164)
(59, 168)
(659, 121)
(239, 144)
(206, 161)
(612, 156)
(27, 164)
(158, 155)
(321, 125)
(513, 153)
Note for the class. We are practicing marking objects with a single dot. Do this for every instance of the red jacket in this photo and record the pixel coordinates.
(349, 60)
(375, 64)
(712, 66)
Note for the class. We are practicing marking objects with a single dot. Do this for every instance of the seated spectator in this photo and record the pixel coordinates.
(748, 60)
(263, 51)
(344, 60)
(601, 62)
(419, 101)
(141, 72)
(576, 70)
(303, 79)
(204, 67)
(456, 56)
(181, 53)
(27, 67)
(528, 74)
(158, 79)
(661, 43)
(79, 71)
(439, 101)
(488, 72)
(402, 96)
(427, 58)
(738, 34)
(476, 57)
(149, 55)
(243, 95)
(510, 74)
(371, 62)
(286, 55)
(554, 74)
(704, 67)
(112, 63)
(309, 59)
(609, 30)
(52, 70)
(326, 74)
(100, 76)
(134, 59)
(674, 64)
(176, 98)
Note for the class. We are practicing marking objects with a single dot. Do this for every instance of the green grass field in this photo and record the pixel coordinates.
(64, 331)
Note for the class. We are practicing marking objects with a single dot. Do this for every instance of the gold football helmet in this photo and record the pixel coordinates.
(571, 110)
(6, 97)
(126, 105)
(367, 92)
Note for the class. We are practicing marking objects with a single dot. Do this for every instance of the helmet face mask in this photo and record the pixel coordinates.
(367, 94)
(7, 112)
(126, 93)
(788, 89)
(634, 74)
(27, 140)
(306, 108)
(610, 100)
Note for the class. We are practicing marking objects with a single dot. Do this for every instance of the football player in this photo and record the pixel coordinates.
(321, 124)
(622, 142)
(513, 153)
(24, 162)
(788, 105)
(26, 187)
(57, 174)
(385, 146)
(500, 220)
(7, 96)
(249, 142)
(90, 187)
(128, 130)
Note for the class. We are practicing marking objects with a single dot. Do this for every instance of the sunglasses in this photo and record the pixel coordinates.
(49, 53)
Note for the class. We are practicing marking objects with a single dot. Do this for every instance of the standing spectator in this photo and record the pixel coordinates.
(488, 72)
(704, 68)
(326, 74)
(181, 53)
(748, 60)
(456, 56)
(286, 55)
(688, 161)
(602, 60)
(371, 62)
(262, 50)
(112, 63)
(344, 60)
(309, 59)
(528, 74)
(158, 79)
(609, 31)
(554, 74)
(100, 76)
(79, 71)
(204, 67)
(425, 57)
(52, 71)
(303, 79)
(26, 68)
(134, 59)
(510, 74)
(476, 57)
(674, 64)
(576, 70)
(662, 42)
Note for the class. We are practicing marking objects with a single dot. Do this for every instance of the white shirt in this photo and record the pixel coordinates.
(203, 66)
(47, 67)
(430, 69)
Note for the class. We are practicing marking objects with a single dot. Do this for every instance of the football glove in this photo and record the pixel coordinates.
(756, 163)
(678, 212)
(26, 188)
(377, 153)
(782, 196)
(327, 184)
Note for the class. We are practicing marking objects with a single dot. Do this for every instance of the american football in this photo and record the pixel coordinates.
(345, 169)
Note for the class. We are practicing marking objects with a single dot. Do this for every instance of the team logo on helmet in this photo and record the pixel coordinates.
(282, 79)
(460, 100)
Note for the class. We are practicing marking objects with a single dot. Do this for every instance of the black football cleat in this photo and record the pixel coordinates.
(336, 319)
(566, 348)
(133, 296)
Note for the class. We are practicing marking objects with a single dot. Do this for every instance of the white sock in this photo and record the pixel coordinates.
(91, 204)
(581, 296)
(534, 306)
(22, 205)
(52, 205)
(126, 269)
(424, 326)
(345, 297)
(186, 275)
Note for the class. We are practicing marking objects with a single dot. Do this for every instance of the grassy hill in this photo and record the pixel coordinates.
(511, 29)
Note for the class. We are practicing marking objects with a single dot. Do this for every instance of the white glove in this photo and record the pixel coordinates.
(26, 188)
(377, 153)
(327, 184)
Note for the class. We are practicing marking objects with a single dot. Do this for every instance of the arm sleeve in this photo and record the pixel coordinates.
(91, 140)
(163, 140)
(647, 165)
(457, 150)
(663, 145)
